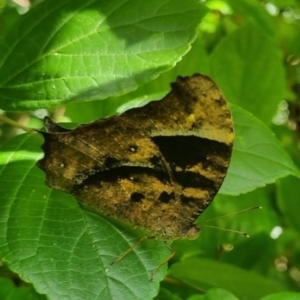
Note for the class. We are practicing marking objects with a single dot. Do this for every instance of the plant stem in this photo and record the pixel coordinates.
(15, 124)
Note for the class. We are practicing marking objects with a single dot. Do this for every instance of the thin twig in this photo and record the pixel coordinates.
(15, 124)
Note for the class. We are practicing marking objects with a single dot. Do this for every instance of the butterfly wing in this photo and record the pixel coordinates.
(157, 167)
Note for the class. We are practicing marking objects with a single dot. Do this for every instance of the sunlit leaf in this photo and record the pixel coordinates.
(67, 50)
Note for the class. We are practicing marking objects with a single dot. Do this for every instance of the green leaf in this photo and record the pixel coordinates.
(248, 67)
(82, 50)
(214, 294)
(204, 274)
(288, 200)
(164, 294)
(8, 291)
(254, 10)
(283, 296)
(257, 159)
(64, 250)
(195, 61)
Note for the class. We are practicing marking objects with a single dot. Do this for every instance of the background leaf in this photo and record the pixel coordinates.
(214, 293)
(8, 290)
(258, 158)
(254, 11)
(196, 60)
(246, 66)
(238, 281)
(282, 296)
(92, 49)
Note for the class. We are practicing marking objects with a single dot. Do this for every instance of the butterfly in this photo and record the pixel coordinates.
(157, 167)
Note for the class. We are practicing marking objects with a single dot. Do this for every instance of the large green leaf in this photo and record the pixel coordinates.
(204, 274)
(282, 296)
(248, 67)
(63, 50)
(257, 159)
(63, 249)
(195, 61)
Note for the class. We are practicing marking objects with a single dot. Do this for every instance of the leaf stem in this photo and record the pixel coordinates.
(15, 124)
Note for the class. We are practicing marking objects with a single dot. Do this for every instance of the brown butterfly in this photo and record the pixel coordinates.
(157, 167)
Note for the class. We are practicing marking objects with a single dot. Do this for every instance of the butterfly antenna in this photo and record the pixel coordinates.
(232, 214)
(203, 224)
(228, 230)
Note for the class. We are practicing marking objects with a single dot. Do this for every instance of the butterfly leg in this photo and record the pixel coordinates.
(163, 262)
(130, 249)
